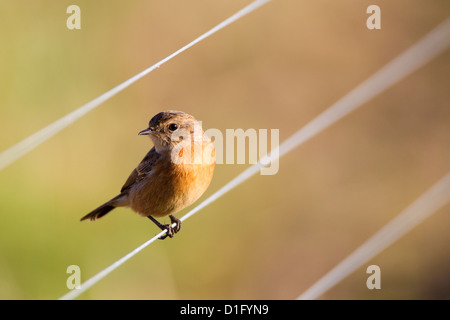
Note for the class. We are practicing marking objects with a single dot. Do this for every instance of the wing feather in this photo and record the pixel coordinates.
(142, 170)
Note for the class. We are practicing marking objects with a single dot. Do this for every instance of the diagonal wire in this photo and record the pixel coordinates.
(18, 150)
(434, 43)
(426, 205)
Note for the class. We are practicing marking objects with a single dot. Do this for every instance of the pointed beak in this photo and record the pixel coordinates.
(145, 132)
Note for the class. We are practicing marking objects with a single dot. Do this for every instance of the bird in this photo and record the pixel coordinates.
(173, 174)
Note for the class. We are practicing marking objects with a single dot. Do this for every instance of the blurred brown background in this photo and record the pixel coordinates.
(273, 236)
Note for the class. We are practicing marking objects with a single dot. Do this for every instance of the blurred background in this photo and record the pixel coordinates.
(273, 236)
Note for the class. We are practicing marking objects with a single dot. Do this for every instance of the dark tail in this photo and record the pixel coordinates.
(99, 212)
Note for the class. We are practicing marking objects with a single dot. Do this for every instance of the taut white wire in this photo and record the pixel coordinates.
(427, 204)
(12, 154)
(423, 51)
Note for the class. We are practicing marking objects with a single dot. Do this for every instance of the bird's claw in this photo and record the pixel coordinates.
(170, 229)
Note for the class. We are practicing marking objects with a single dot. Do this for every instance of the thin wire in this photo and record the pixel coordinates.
(18, 150)
(423, 51)
(427, 204)
(89, 283)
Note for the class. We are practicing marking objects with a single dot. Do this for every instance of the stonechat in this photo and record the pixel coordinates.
(173, 174)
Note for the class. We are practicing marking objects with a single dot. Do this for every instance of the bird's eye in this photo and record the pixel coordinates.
(173, 126)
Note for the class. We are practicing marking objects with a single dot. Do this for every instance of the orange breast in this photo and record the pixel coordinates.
(173, 186)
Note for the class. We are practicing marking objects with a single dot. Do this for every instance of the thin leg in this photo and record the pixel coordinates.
(170, 230)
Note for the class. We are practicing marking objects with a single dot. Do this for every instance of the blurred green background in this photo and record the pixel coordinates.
(273, 236)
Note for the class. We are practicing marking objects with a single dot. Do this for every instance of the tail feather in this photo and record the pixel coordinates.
(99, 212)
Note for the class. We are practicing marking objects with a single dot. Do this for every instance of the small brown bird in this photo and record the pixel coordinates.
(173, 174)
